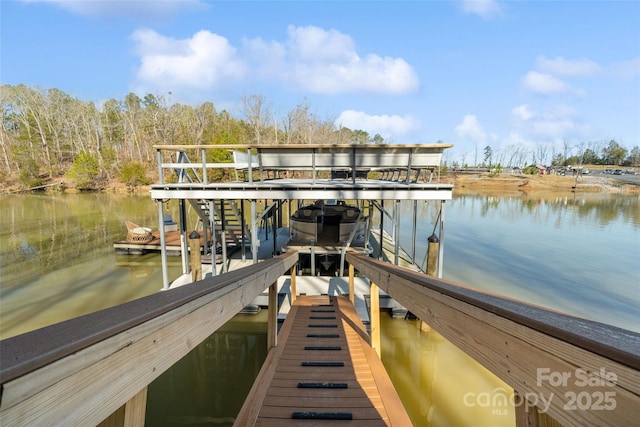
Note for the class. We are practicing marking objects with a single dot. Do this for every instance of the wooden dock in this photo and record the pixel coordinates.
(322, 372)
(172, 239)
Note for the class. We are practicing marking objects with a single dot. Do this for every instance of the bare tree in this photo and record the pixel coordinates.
(257, 114)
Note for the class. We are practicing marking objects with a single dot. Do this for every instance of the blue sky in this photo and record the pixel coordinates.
(506, 74)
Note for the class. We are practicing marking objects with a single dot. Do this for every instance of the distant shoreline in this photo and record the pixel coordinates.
(514, 184)
(483, 183)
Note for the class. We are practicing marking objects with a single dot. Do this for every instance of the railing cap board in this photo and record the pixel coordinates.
(611, 342)
(32, 350)
(299, 146)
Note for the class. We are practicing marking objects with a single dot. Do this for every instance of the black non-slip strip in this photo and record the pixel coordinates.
(323, 385)
(332, 364)
(322, 305)
(322, 347)
(322, 311)
(322, 317)
(323, 336)
(322, 416)
(318, 325)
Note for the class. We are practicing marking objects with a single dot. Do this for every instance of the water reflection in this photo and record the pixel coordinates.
(208, 386)
(438, 383)
(578, 255)
(57, 260)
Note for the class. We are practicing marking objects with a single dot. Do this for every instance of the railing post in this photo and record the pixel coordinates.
(131, 414)
(272, 322)
(160, 175)
(525, 416)
(204, 166)
(194, 249)
(135, 409)
(352, 291)
(432, 255)
(374, 317)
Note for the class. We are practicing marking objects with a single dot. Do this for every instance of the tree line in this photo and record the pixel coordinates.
(569, 154)
(46, 134)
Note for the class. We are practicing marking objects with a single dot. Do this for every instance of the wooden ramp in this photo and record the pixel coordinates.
(322, 372)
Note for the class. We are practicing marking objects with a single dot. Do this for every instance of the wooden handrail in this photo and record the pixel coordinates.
(542, 354)
(85, 368)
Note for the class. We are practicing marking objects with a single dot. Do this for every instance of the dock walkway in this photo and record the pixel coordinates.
(323, 371)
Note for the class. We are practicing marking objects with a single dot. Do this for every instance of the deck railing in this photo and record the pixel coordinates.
(394, 161)
(98, 366)
(576, 371)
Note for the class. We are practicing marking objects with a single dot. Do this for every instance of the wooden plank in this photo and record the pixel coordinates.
(374, 315)
(282, 397)
(110, 371)
(521, 341)
(251, 407)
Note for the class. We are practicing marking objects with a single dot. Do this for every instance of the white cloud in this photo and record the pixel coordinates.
(326, 62)
(385, 125)
(522, 112)
(483, 8)
(201, 62)
(626, 69)
(560, 66)
(127, 9)
(313, 44)
(544, 84)
(311, 59)
(472, 129)
(557, 122)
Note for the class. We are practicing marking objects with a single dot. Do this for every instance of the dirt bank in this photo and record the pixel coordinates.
(514, 184)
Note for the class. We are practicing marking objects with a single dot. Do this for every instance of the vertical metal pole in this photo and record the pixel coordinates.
(441, 237)
(205, 236)
(413, 234)
(352, 287)
(212, 221)
(163, 246)
(183, 237)
(381, 255)
(160, 175)
(272, 320)
(396, 231)
(313, 258)
(244, 236)
(275, 231)
(250, 168)
(223, 237)
(254, 232)
(313, 164)
(204, 166)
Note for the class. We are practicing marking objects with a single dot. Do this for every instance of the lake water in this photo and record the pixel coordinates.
(579, 255)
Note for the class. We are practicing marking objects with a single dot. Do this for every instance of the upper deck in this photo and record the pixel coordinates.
(339, 171)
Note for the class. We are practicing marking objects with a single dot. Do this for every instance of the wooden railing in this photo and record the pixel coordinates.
(576, 371)
(94, 367)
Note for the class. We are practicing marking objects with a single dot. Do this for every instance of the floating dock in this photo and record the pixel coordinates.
(323, 370)
(172, 244)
